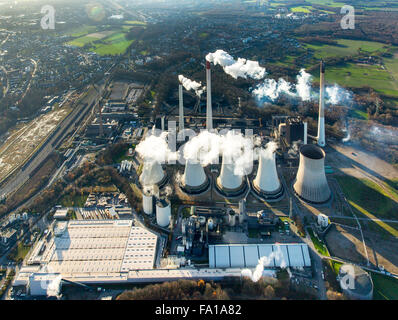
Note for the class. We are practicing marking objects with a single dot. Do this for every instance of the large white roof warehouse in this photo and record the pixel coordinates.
(97, 246)
(248, 255)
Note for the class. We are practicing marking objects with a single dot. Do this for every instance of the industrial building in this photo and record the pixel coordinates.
(248, 255)
(91, 250)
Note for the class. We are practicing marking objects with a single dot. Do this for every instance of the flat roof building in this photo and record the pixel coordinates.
(248, 255)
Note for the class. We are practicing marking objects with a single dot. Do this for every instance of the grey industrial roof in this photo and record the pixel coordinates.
(248, 255)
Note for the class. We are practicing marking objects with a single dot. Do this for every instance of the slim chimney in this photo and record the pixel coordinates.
(209, 110)
(321, 121)
(181, 109)
(101, 125)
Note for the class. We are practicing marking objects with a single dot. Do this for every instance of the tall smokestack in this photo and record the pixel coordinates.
(181, 108)
(209, 110)
(321, 121)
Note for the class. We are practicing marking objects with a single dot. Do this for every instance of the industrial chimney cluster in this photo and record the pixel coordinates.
(310, 184)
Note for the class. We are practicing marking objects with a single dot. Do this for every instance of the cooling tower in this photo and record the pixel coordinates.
(152, 174)
(311, 184)
(194, 180)
(267, 180)
(228, 183)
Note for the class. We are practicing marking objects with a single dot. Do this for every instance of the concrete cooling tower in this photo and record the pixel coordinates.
(194, 180)
(267, 184)
(228, 183)
(152, 174)
(311, 184)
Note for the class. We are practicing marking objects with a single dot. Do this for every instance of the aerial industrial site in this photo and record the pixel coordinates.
(173, 151)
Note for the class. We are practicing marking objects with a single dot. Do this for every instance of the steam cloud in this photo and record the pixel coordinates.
(235, 148)
(264, 262)
(271, 90)
(237, 68)
(191, 85)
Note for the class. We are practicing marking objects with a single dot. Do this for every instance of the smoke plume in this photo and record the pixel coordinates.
(271, 90)
(191, 85)
(265, 261)
(237, 68)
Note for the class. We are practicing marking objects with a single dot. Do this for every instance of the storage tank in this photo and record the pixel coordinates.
(163, 212)
(232, 220)
(311, 184)
(147, 201)
(210, 224)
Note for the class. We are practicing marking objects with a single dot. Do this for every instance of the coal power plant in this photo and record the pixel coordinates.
(242, 166)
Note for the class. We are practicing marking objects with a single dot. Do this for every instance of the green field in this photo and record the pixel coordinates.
(345, 48)
(81, 31)
(75, 201)
(304, 9)
(113, 45)
(318, 244)
(379, 205)
(359, 76)
(82, 41)
(385, 288)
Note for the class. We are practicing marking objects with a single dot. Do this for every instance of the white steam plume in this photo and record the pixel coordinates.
(238, 150)
(203, 148)
(303, 86)
(271, 90)
(237, 68)
(337, 95)
(155, 148)
(265, 261)
(235, 148)
(268, 152)
(191, 85)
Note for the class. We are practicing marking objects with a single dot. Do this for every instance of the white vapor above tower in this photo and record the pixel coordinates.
(209, 110)
(321, 121)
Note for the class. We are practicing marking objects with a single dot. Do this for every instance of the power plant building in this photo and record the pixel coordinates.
(248, 255)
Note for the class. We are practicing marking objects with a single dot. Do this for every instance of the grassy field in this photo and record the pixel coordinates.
(371, 201)
(319, 245)
(345, 48)
(358, 76)
(81, 31)
(385, 288)
(82, 41)
(20, 252)
(75, 201)
(304, 9)
(113, 45)
(111, 42)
